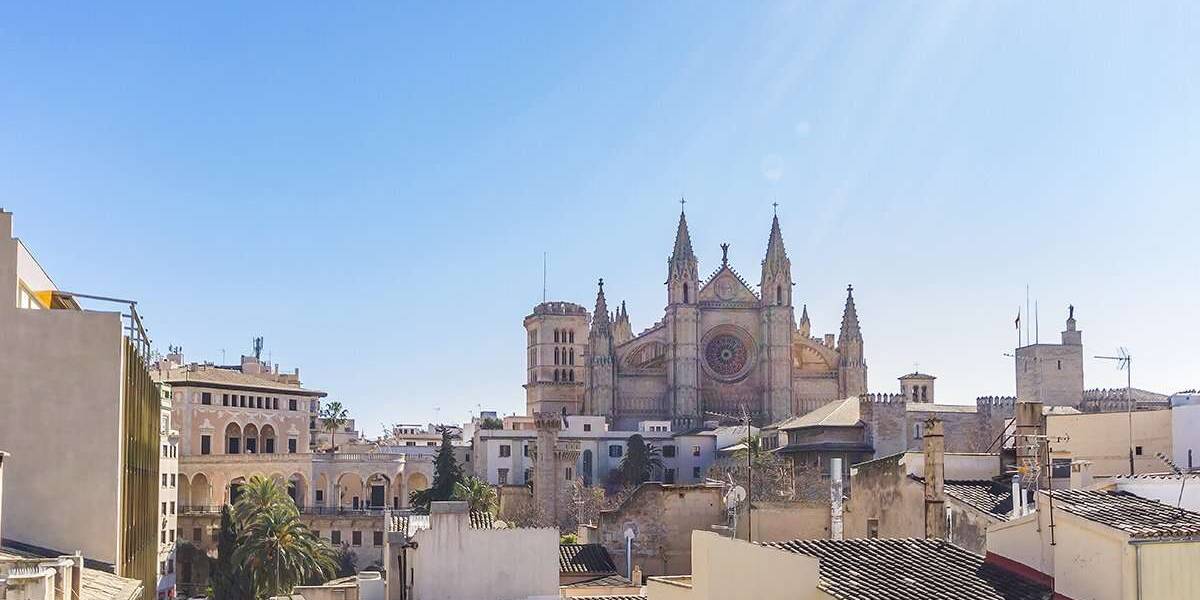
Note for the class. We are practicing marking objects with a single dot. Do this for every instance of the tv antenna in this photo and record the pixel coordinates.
(1183, 475)
(1125, 363)
(258, 346)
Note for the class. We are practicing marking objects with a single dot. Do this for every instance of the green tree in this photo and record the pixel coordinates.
(446, 474)
(258, 495)
(346, 560)
(476, 492)
(333, 417)
(491, 423)
(279, 552)
(640, 461)
(227, 579)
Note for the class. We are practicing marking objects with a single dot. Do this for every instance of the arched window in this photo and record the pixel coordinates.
(571, 334)
(924, 397)
(778, 295)
(556, 376)
(685, 293)
(572, 356)
(556, 352)
(917, 433)
(915, 391)
(556, 336)
(572, 372)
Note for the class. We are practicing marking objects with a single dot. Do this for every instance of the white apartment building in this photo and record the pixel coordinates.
(168, 497)
(504, 456)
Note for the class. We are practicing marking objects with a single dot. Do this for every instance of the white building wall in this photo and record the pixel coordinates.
(1185, 432)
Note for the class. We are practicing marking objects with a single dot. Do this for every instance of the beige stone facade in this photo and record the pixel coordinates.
(720, 346)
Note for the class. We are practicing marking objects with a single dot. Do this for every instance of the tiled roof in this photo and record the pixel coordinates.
(229, 378)
(584, 558)
(604, 580)
(910, 569)
(1139, 517)
(408, 523)
(839, 413)
(985, 495)
(608, 597)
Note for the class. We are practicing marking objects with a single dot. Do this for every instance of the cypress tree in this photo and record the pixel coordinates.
(446, 474)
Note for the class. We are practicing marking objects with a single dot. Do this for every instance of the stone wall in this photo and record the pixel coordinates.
(664, 517)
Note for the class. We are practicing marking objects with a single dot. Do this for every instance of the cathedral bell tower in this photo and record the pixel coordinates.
(601, 372)
(777, 323)
(683, 324)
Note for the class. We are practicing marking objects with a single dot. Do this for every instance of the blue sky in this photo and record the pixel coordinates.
(371, 188)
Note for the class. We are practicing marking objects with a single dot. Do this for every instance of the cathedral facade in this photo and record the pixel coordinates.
(721, 347)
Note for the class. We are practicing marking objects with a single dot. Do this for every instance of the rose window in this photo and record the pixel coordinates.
(726, 355)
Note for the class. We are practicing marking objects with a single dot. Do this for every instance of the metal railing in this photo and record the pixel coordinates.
(135, 330)
(202, 509)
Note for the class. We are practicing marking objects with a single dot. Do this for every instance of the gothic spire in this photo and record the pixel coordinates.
(850, 329)
(805, 324)
(776, 259)
(600, 318)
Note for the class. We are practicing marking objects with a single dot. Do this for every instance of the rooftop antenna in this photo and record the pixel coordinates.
(1037, 330)
(545, 261)
(1027, 313)
(1125, 363)
(258, 346)
(222, 356)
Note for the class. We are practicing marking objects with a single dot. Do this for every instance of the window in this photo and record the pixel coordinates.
(570, 475)
(377, 538)
(917, 431)
(571, 356)
(356, 538)
(556, 374)
(587, 426)
(164, 508)
(410, 443)
(695, 450)
(872, 528)
(206, 444)
(502, 476)
(291, 404)
(172, 507)
(572, 375)
(335, 537)
(171, 536)
(668, 451)
(505, 450)
(291, 445)
(685, 293)
(528, 475)
(615, 451)
(172, 480)
(571, 335)
(669, 476)
(162, 536)
(778, 295)
(556, 337)
(196, 534)
(695, 472)
(165, 451)
(164, 480)
(354, 503)
(1060, 365)
(205, 398)
(1060, 468)
(556, 356)
(525, 450)
(1137, 450)
(224, 399)
(430, 443)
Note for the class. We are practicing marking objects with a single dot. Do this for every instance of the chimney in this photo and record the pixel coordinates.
(637, 575)
(1029, 426)
(836, 509)
(1081, 474)
(935, 493)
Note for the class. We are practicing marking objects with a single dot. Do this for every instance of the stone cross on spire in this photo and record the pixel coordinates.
(725, 254)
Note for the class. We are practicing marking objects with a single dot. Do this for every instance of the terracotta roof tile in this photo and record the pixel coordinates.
(584, 558)
(910, 569)
(1139, 517)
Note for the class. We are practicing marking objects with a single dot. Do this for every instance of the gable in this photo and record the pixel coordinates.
(726, 286)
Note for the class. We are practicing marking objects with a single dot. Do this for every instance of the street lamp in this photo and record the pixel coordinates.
(1125, 363)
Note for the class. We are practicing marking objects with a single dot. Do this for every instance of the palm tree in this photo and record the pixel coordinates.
(259, 495)
(279, 552)
(333, 417)
(640, 461)
(477, 493)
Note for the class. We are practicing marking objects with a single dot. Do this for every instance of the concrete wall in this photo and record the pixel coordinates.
(1185, 434)
(60, 399)
(1169, 570)
(725, 568)
(664, 517)
(884, 492)
(1103, 438)
(781, 521)
(454, 562)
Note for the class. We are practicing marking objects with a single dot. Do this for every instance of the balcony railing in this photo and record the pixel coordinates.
(370, 511)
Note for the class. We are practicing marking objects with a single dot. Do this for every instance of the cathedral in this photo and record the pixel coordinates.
(720, 348)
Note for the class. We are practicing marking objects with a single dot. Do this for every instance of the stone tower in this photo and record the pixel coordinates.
(555, 344)
(601, 374)
(776, 317)
(1052, 373)
(553, 469)
(683, 324)
(852, 369)
(917, 387)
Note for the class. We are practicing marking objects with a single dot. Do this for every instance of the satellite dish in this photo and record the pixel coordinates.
(735, 495)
